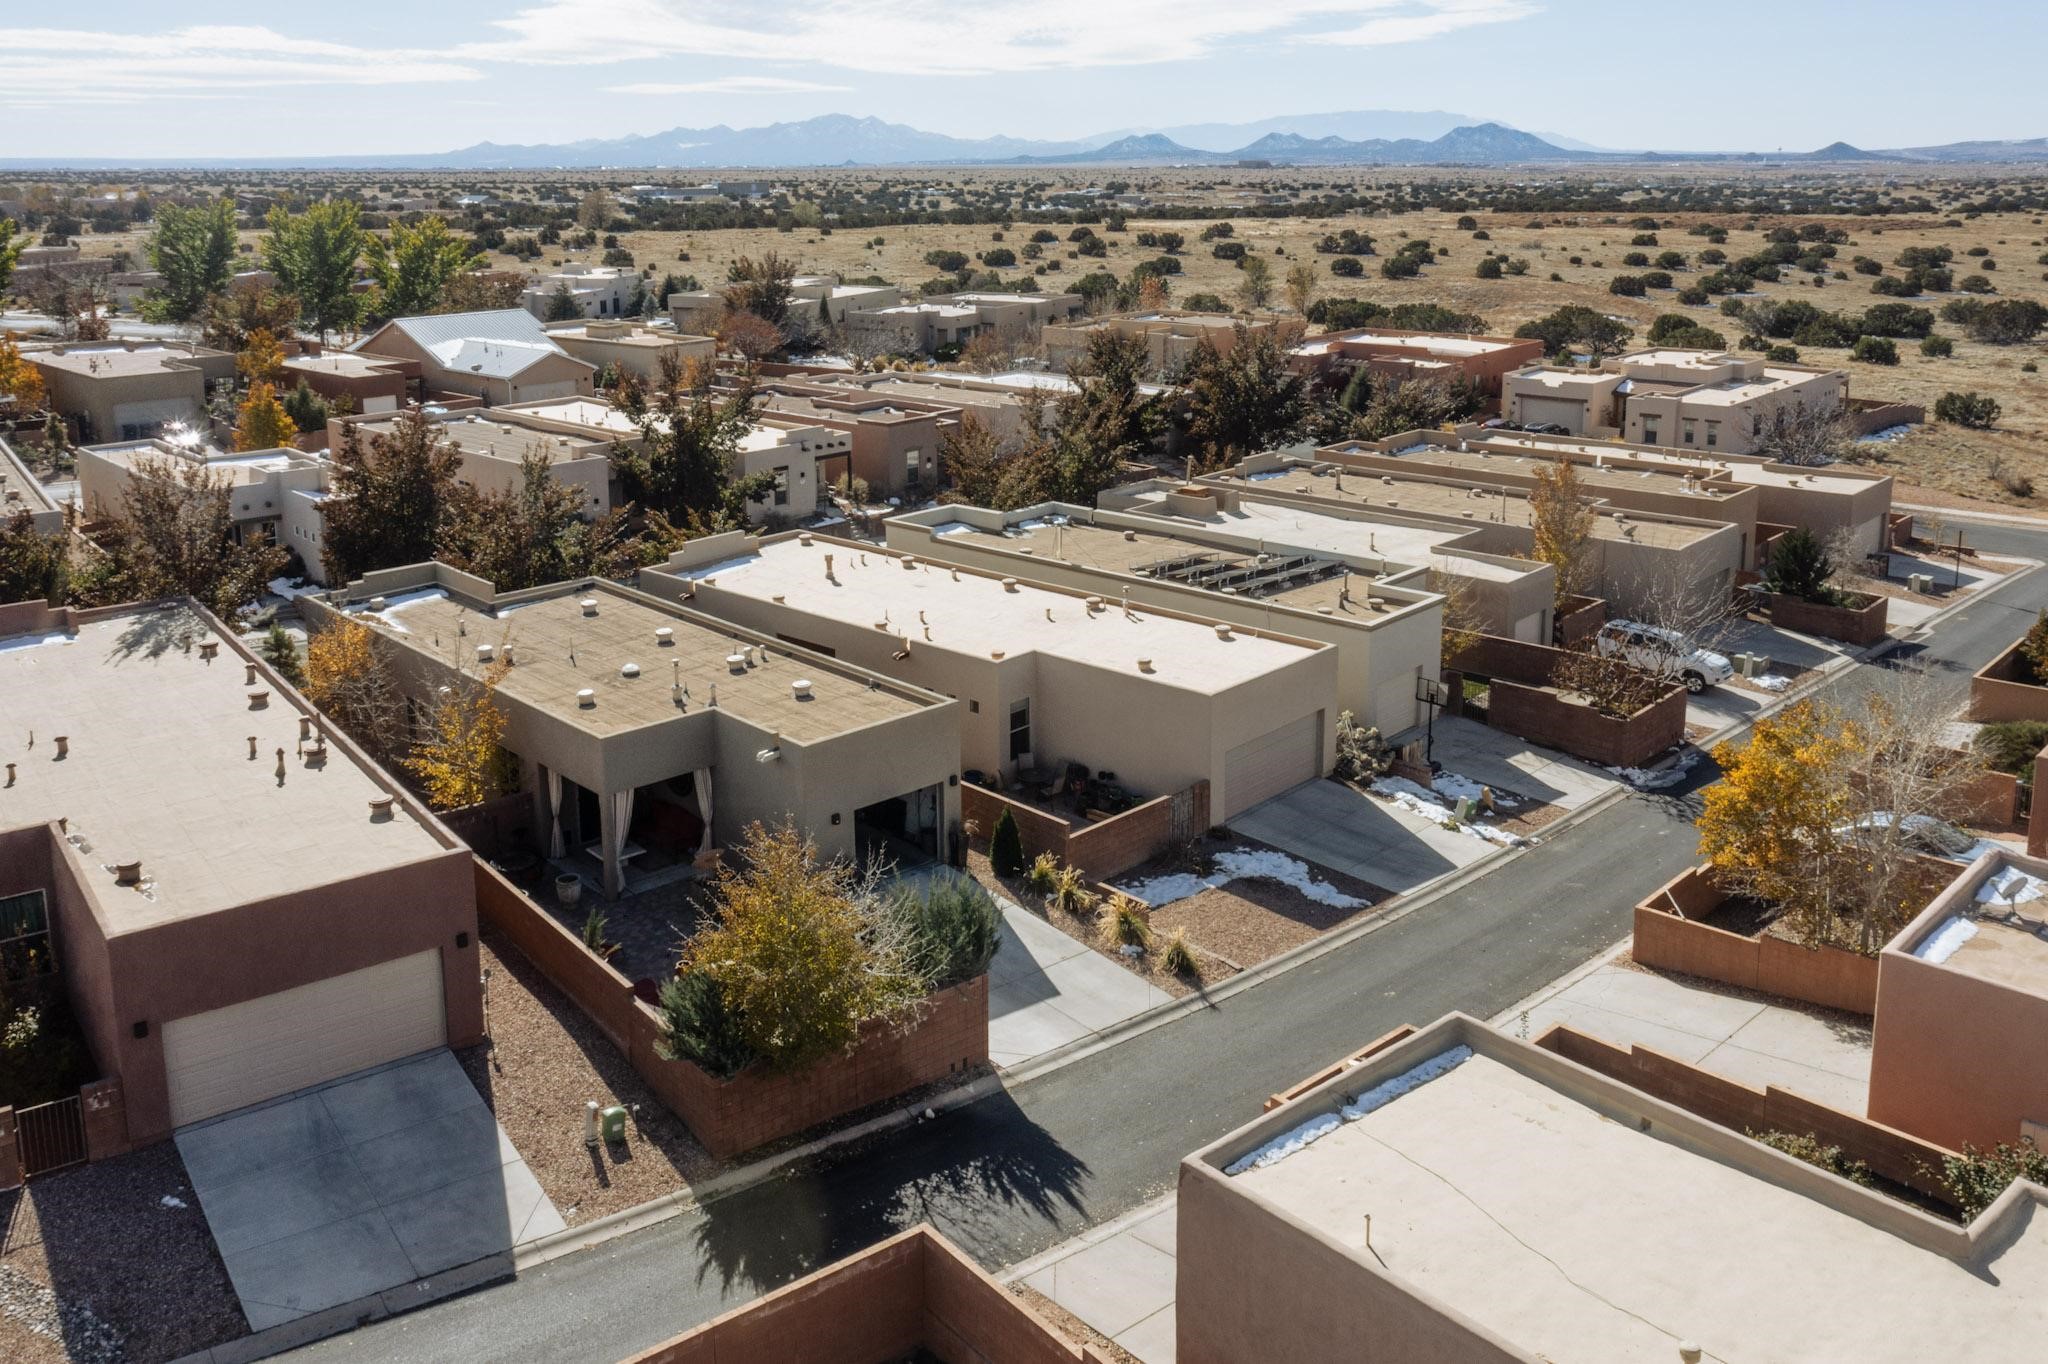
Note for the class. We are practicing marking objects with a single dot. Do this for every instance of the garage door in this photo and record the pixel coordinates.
(246, 1053)
(1272, 763)
(1566, 412)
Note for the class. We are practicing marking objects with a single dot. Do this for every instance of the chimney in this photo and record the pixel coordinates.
(248, 674)
(127, 873)
(305, 726)
(828, 570)
(258, 700)
(63, 745)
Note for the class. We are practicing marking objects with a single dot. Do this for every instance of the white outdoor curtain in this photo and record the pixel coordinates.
(556, 847)
(622, 817)
(702, 777)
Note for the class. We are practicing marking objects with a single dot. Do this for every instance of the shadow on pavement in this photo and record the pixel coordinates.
(779, 1229)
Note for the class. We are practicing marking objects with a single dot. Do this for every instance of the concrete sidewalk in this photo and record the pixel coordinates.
(1118, 1278)
(1045, 990)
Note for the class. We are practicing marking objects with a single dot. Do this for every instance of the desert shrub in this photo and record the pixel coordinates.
(1636, 259)
(1044, 235)
(1005, 846)
(1807, 1147)
(1123, 922)
(2010, 746)
(2012, 480)
(1000, 257)
(1938, 347)
(1070, 892)
(1177, 956)
(1401, 266)
(1713, 255)
(698, 1027)
(1975, 410)
(1643, 239)
(1467, 223)
(1228, 250)
(1782, 355)
(1973, 284)
(948, 262)
(1348, 266)
(1897, 319)
(1627, 286)
(953, 929)
(2006, 321)
(1043, 873)
(1488, 268)
(1875, 350)
(1671, 260)
(1361, 753)
(1976, 1178)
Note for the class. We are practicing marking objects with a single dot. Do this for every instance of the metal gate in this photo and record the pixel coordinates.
(52, 1136)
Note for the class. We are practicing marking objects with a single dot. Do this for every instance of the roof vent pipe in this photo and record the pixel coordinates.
(629, 670)
(63, 745)
(1222, 630)
(664, 637)
(589, 605)
(483, 653)
(1009, 584)
(801, 689)
(804, 538)
(1144, 665)
(127, 873)
(248, 674)
(380, 809)
(586, 698)
(736, 662)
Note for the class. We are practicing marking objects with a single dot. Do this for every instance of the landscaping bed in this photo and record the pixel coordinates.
(112, 1261)
(1251, 919)
(543, 1059)
(1210, 968)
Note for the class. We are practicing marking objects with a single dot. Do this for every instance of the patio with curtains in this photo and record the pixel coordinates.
(638, 837)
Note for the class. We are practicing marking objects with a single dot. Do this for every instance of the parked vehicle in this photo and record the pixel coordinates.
(1664, 653)
(1922, 833)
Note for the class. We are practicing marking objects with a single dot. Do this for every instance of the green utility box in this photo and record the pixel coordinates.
(611, 1124)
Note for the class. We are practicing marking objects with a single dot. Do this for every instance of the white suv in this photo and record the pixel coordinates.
(1665, 653)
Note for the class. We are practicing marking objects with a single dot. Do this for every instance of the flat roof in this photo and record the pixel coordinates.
(1106, 549)
(1998, 931)
(639, 336)
(1479, 464)
(345, 363)
(954, 393)
(1432, 344)
(159, 770)
(1743, 471)
(114, 359)
(559, 651)
(1521, 1203)
(1567, 378)
(18, 479)
(1360, 536)
(972, 613)
(1476, 501)
(489, 432)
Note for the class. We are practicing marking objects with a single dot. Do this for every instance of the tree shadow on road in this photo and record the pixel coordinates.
(980, 1174)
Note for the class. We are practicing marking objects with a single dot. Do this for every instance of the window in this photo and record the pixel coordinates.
(782, 486)
(1020, 728)
(25, 937)
(1713, 434)
(913, 466)
(1649, 432)
(1690, 431)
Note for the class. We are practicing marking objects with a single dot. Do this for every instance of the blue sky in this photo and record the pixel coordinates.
(202, 78)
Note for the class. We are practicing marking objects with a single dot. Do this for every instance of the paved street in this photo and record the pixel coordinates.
(1025, 1169)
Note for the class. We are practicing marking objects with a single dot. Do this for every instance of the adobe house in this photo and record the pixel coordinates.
(128, 390)
(500, 356)
(240, 904)
(649, 734)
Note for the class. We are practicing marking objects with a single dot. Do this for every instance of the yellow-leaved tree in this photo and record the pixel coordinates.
(457, 760)
(18, 378)
(795, 953)
(262, 423)
(261, 360)
(347, 679)
(1561, 521)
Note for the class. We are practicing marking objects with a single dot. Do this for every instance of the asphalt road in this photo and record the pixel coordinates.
(1031, 1166)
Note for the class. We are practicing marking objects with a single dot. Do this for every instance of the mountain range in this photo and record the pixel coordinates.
(1358, 137)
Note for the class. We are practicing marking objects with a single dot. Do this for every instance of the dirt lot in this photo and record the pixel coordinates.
(111, 1262)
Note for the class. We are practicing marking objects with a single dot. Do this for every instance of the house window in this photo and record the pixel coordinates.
(782, 486)
(1689, 431)
(25, 938)
(1649, 432)
(1713, 434)
(913, 466)
(1020, 728)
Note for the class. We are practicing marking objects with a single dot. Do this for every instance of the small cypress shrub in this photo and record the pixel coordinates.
(1005, 847)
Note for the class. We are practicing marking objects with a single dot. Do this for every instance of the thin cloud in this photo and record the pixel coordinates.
(77, 66)
(924, 37)
(732, 85)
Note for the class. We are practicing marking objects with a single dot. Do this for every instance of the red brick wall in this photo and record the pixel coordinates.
(598, 990)
(1889, 1153)
(1543, 717)
(105, 1110)
(757, 1106)
(1098, 851)
(1996, 693)
(1858, 625)
(1580, 620)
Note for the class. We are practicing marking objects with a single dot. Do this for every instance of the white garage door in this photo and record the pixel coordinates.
(1274, 762)
(246, 1053)
(1564, 411)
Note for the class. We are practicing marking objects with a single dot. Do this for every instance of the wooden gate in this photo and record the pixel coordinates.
(52, 1136)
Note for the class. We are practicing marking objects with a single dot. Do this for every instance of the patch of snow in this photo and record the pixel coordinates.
(2010, 886)
(393, 605)
(953, 528)
(1888, 434)
(1039, 523)
(1251, 864)
(169, 1202)
(1419, 800)
(732, 565)
(1269, 475)
(1656, 779)
(1131, 949)
(282, 587)
(33, 641)
(1772, 681)
(1372, 1100)
(1941, 944)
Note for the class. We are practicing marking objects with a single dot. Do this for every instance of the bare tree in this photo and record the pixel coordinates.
(1802, 433)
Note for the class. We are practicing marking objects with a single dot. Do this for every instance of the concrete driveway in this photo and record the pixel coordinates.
(1331, 825)
(359, 1185)
(1046, 990)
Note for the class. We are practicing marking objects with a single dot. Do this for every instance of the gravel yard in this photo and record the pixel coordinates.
(543, 1059)
(1251, 919)
(97, 1265)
